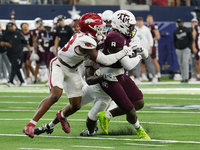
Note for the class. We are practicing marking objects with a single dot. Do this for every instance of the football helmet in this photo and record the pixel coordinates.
(36, 22)
(92, 25)
(124, 21)
(107, 15)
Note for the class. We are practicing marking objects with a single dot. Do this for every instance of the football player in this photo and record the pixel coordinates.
(196, 48)
(38, 26)
(107, 18)
(124, 91)
(26, 53)
(156, 36)
(64, 74)
(45, 40)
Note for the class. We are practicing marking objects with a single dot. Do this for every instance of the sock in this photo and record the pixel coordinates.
(62, 115)
(136, 125)
(158, 74)
(108, 114)
(150, 75)
(33, 122)
(52, 125)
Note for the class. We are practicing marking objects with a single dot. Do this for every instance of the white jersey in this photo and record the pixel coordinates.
(71, 54)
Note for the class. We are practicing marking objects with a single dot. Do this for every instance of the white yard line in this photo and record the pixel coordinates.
(143, 144)
(100, 147)
(39, 148)
(100, 138)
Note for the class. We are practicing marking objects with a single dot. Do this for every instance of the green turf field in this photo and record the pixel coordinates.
(170, 117)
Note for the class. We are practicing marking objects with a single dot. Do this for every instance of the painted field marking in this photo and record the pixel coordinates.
(143, 144)
(177, 124)
(100, 147)
(155, 112)
(100, 138)
(39, 148)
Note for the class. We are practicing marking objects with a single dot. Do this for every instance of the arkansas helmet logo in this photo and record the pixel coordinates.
(124, 17)
(89, 20)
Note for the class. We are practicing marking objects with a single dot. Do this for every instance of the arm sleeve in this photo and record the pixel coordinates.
(109, 59)
(130, 63)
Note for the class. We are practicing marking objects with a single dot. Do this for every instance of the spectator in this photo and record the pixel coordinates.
(159, 2)
(4, 61)
(26, 53)
(156, 36)
(196, 48)
(14, 43)
(179, 3)
(182, 38)
(63, 33)
(146, 39)
(194, 22)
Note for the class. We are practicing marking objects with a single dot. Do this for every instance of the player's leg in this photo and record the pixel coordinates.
(197, 66)
(154, 57)
(56, 88)
(186, 56)
(73, 87)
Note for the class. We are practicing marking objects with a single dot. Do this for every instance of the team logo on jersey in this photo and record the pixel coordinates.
(124, 17)
(89, 20)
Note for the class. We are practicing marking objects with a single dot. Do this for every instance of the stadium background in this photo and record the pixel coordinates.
(164, 16)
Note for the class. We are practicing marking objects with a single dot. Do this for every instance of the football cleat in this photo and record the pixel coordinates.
(29, 130)
(142, 134)
(64, 123)
(87, 133)
(104, 121)
(43, 129)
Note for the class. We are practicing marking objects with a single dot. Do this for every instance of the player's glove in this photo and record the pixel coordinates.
(143, 52)
(135, 43)
(128, 51)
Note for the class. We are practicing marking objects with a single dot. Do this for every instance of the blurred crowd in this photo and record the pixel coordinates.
(25, 54)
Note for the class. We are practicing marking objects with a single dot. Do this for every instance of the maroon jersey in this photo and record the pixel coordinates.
(28, 37)
(197, 40)
(46, 40)
(115, 39)
(153, 27)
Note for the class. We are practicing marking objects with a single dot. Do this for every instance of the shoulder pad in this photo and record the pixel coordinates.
(87, 42)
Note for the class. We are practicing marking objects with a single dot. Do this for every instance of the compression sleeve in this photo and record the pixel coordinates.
(109, 59)
(130, 63)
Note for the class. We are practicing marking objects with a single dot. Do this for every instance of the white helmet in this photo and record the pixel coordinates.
(107, 15)
(36, 22)
(124, 21)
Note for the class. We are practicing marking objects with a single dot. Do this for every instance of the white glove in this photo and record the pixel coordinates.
(98, 72)
(135, 43)
(34, 56)
(128, 51)
(110, 77)
(143, 52)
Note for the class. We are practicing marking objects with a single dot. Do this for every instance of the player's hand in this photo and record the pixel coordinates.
(128, 51)
(110, 77)
(195, 50)
(144, 53)
(135, 43)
